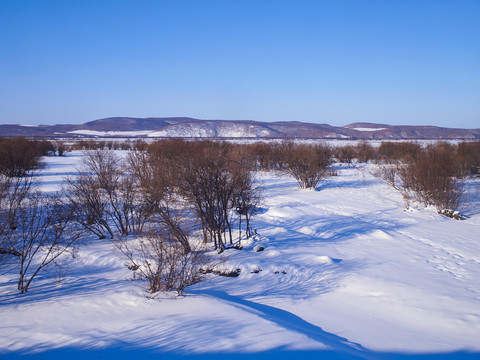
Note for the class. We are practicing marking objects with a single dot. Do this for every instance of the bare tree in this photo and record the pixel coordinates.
(246, 199)
(44, 233)
(13, 192)
(398, 152)
(87, 205)
(156, 185)
(202, 183)
(210, 181)
(60, 148)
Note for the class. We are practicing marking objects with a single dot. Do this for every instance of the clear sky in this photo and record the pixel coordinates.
(336, 62)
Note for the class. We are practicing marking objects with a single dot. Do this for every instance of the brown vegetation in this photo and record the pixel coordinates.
(166, 191)
(432, 175)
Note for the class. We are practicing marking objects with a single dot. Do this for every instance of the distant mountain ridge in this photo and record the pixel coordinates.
(185, 127)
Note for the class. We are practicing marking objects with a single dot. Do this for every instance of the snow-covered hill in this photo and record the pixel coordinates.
(345, 273)
(215, 129)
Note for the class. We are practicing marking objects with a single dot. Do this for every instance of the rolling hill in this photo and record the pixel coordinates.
(184, 127)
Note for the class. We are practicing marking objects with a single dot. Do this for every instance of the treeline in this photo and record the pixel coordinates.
(19, 155)
(433, 174)
(92, 144)
(464, 156)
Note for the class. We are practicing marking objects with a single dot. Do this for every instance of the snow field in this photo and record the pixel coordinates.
(344, 270)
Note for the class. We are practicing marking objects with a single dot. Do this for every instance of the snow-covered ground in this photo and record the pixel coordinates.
(345, 273)
(111, 133)
(368, 129)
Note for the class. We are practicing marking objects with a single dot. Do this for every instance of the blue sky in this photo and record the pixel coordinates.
(336, 62)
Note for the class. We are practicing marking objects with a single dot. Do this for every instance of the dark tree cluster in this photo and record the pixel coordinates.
(92, 144)
(19, 156)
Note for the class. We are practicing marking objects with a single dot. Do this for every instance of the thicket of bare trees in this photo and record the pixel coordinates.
(435, 178)
(346, 154)
(165, 192)
(432, 175)
(214, 180)
(165, 187)
(307, 163)
(105, 197)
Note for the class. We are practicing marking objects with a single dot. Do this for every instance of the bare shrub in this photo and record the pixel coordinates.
(308, 164)
(60, 148)
(266, 156)
(398, 151)
(389, 173)
(263, 155)
(365, 152)
(431, 176)
(87, 205)
(161, 260)
(14, 190)
(345, 154)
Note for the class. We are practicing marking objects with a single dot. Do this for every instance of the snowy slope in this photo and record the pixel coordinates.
(213, 129)
(345, 273)
(194, 129)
